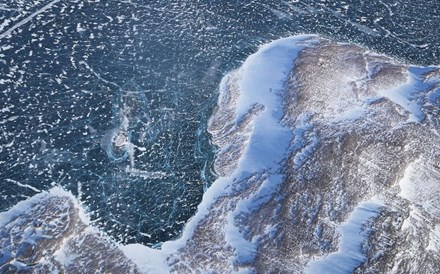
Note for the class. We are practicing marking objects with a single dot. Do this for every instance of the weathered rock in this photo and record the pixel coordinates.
(48, 234)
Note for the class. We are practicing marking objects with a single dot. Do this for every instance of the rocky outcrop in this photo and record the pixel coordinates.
(358, 122)
(50, 234)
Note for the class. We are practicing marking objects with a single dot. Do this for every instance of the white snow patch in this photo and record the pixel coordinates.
(351, 114)
(434, 239)
(421, 186)
(147, 259)
(21, 208)
(262, 80)
(64, 257)
(245, 250)
(353, 234)
(406, 95)
(264, 73)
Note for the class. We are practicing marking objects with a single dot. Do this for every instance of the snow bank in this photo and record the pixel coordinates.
(406, 95)
(354, 233)
(26, 205)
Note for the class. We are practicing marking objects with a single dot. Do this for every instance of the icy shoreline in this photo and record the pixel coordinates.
(309, 131)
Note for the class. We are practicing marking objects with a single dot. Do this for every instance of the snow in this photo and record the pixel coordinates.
(434, 239)
(351, 115)
(264, 73)
(63, 256)
(420, 185)
(245, 250)
(353, 234)
(58, 191)
(31, 234)
(26, 205)
(147, 259)
(406, 95)
(263, 76)
(303, 146)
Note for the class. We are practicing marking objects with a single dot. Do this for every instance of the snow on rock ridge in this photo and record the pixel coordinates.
(50, 233)
(353, 120)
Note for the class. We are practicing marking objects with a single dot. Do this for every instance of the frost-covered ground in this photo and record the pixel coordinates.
(327, 162)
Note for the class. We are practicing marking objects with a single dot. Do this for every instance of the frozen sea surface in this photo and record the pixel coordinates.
(110, 99)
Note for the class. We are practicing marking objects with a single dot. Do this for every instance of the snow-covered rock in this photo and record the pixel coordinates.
(328, 162)
(314, 139)
(50, 233)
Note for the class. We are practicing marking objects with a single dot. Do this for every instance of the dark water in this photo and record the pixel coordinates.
(75, 74)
